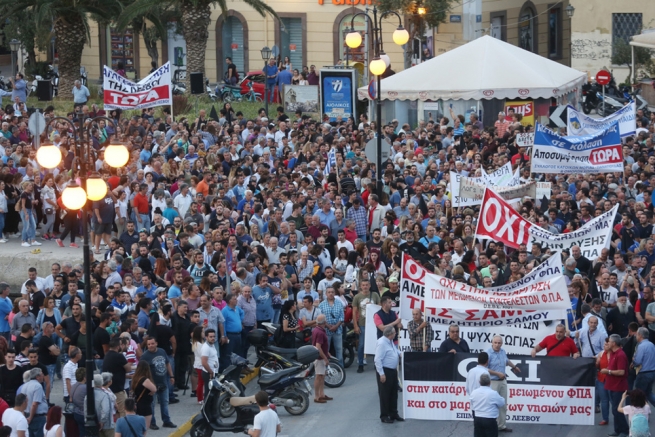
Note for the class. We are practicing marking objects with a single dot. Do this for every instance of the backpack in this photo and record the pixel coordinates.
(639, 426)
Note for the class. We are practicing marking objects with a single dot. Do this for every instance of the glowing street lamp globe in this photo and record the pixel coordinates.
(116, 155)
(353, 39)
(48, 156)
(73, 197)
(96, 188)
(400, 36)
(377, 66)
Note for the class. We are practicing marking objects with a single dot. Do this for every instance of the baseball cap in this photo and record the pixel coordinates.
(393, 279)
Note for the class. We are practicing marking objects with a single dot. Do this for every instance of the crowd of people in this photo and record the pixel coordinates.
(305, 240)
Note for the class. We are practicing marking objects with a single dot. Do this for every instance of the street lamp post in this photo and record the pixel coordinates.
(570, 10)
(14, 45)
(378, 66)
(74, 197)
(266, 54)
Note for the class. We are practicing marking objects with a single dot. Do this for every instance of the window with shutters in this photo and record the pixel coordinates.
(555, 32)
(233, 44)
(625, 25)
(292, 40)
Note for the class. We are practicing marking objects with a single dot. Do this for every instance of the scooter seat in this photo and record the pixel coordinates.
(272, 378)
(241, 401)
(282, 351)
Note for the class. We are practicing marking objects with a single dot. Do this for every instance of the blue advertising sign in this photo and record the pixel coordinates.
(337, 96)
(455, 18)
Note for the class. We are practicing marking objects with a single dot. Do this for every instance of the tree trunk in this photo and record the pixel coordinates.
(195, 20)
(71, 37)
(151, 46)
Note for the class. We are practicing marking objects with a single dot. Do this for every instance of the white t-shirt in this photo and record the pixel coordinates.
(209, 351)
(267, 421)
(17, 421)
(609, 295)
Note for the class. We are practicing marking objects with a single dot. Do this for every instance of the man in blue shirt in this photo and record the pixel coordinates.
(283, 78)
(233, 315)
(143, 319)
(645, 357)
(270, 71)
(148, 287)
(19, 88)
(486, 405)
(5, 308)
(498, 361)
(263, 295)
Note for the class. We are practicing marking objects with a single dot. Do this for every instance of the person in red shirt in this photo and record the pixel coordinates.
(557, 344)
(616, 382)
(320, 342)
(141, 206)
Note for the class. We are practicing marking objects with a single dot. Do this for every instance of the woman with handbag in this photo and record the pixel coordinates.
(143, 390)
(49, 202)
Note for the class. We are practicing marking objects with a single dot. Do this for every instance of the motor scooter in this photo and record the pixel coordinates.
(209, 419)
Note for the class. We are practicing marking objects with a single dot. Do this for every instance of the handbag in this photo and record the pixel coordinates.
(69, 407)
(49, 211)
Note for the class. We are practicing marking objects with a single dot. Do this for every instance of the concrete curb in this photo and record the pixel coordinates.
(186, 426)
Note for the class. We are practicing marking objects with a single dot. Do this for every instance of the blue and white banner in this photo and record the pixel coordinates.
(337, 97)
(598, 153)
(580, 124)
(331, 161)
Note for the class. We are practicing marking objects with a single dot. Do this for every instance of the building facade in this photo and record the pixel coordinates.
(309, 32)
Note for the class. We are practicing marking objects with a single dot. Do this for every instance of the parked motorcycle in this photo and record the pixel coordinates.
(209, 91)
(179, 88)
(635, 95)
(272, 359)
(233, 385)
(209, 419)
(610, 106)
(590, 92)
(5, 84)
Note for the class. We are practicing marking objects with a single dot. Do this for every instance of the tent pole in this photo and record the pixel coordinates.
(634, 73)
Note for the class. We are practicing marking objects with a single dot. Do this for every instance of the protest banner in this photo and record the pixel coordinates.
(544, 189)
(548, 390)
(600, 152)
(525, 139)
(501, 177)
(518, 339)
(122, 93)
(544, 288)
(521, 330)
(472, 190)
(498, 221)
(580, 124)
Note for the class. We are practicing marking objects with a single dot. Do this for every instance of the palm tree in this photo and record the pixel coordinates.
(69, 20)
(195, 20)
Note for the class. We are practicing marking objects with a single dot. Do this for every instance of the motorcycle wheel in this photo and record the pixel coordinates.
(258, 98)
(586, 108)
(201, 429)
(300, 398)
(348, 355)
(273, 366)
(599, 109)
(227, 97)
(224, 407)
(335, 375)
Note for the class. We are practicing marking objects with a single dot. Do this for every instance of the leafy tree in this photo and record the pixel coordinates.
(195, 18)
(623, 56)
(33, 38)
(436, 13)
(69, 20)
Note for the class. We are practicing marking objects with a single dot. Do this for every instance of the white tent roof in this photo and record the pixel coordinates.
(486, 68)
(644, 40)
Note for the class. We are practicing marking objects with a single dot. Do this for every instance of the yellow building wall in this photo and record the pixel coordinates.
(592, 33)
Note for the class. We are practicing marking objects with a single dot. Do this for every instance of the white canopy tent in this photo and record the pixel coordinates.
(485, 68)
(646, 40)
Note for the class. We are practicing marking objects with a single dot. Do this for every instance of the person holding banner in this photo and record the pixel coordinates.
(498, 362)
(454, 343)
(419, 330)
(557, 345)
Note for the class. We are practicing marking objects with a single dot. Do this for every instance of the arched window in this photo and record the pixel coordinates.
(232, 42)
(342, 28)
(528, 28)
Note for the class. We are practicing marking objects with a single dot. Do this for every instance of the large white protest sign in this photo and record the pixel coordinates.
(502, 177)
(472, 190)
(580, 124)
(544, 288)
(498, 221)
(122, 93)
(600, 152)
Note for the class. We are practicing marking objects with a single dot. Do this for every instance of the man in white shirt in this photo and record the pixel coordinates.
(274, 251)
(183, 200)
(343, 242)
(608, 294)
(473, 377)
(32, 274)
(15, 417)
(266, 423)
(485, 404)
(209, 357)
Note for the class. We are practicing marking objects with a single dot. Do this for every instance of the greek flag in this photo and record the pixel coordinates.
(331, 161)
